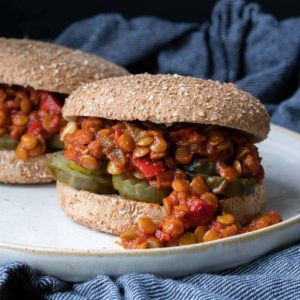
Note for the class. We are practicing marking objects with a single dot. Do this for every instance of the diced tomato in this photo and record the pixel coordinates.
(35, 128)
(183, 133)
(164, 180)
(217, 226)
(49, 103)
(187, 136)
(141, 238)
(147, 167)
(271, 218)
(11, 104)
(3, 106)
(163, 236)
(55, 122)
(33, 117)
(118, 133)
(201, 212)
(260, 175)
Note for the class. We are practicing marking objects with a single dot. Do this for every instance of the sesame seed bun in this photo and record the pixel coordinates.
(30, 171)
(114, 214)
(50, 67)
(170, 99)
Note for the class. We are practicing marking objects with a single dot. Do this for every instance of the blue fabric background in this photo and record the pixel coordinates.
(239, 44)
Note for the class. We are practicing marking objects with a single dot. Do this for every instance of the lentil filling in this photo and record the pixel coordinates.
(30, 120)
(187, 168)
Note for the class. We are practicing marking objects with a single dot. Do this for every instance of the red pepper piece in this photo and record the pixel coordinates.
(55, 122)
(201, 212)
(147, 167)
(118, 133)
(35, 128)
(50, 103)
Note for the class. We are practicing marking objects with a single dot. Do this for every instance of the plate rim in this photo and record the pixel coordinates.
(195, 248)
(200, 247)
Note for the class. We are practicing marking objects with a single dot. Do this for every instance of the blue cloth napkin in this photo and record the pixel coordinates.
(239, 44)
(276, 276)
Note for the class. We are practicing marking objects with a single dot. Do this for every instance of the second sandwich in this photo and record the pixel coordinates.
(35, 78)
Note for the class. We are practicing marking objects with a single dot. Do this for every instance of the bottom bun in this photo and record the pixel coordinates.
(106, 213)
(114, 214)
(30, 171)
(245, 208)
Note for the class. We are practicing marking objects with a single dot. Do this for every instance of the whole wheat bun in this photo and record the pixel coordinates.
(114, 214)
(31, 171)
(169, 99)
(50, 67)
(160, 99)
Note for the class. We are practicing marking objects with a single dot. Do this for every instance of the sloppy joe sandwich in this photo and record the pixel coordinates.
(163, 159)
(35, 78)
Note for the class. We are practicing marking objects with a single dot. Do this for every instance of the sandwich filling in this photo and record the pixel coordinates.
(30, 121)
(186, 167)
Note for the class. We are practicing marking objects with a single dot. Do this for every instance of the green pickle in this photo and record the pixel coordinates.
(239, 187)
(76, 167)
(60, 169)
(54, 142)
(8, 143)
(207, 169)
(201, 166)
(138, 190)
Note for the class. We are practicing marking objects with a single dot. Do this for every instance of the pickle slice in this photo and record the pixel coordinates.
(8, 143)
(138, 190)
(60, 169)
(54, 142)
(201, 166)
(207, 169)
(239, 187)
(77, 167)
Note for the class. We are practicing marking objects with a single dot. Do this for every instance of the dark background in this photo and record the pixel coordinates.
(45, 19)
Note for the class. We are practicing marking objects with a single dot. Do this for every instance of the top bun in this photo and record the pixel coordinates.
(49, 67)
(169, 99)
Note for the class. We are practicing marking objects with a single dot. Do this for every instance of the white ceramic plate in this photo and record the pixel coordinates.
(35, 231)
